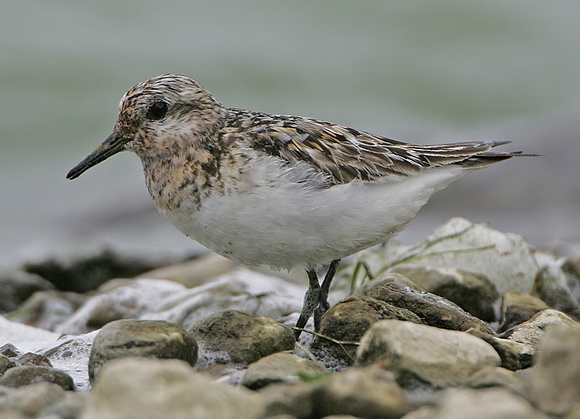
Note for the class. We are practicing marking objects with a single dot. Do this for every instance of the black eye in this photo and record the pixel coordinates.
(157, 110)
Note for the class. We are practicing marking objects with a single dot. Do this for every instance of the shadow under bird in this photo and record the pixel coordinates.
(277, 190)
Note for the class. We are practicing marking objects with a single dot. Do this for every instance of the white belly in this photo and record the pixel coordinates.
(284, 224)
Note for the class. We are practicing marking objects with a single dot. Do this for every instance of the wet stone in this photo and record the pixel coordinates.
(30, 400)
(496, 377)
(496, 402)
(553, 385)
(30, 358)
(141, 338)
(5, 363)
(9, 350)
(514, 355)
(23, 376)
(280, 367)
(48, 309)
(360, 392)
(431, 309)
(349, 320)
(235, 337)
(156, 388)
(533, 331)
(518, 307)
(423, 356)
(69, 406)
(471, 291)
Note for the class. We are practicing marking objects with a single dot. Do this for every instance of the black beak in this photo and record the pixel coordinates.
(114, 144)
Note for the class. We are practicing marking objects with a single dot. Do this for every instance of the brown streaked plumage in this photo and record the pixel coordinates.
(277, 190)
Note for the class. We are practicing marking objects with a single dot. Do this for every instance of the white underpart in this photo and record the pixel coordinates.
(278, 222)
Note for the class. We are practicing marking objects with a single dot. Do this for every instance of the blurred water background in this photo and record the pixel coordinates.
(414, 70)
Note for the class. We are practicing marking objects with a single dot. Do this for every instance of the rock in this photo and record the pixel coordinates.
(32, 359)
(556, 295)
(385, 278)
(514, 355)
(5, 363)
(193, 273)
(29, 400)
(71, 355)
(85, 273)
(496, 377)
(431, 309)
(239, 338)
(289, 400)
(367, 392)
(147, 388)
(422, 355)
(119, 299)
(279, 367)
(242, 290)
(141, 338)
(23, 376)
(533, 331)
(471, 291)
(48, 309)
(69, 406)
(518, 307)
(500, 403)
(23, 338)
(553, 385)
(8, 349)
(17, 286)
(349, 320)
(504, 258)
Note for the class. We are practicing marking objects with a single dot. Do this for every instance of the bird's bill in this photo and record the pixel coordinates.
(114, 144)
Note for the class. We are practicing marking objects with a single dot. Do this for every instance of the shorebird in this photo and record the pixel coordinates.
(277, 190)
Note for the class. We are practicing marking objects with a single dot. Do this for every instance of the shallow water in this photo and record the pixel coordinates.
(417, 71)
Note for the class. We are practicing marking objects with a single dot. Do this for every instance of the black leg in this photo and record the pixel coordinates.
(311, 301)
(323, 305)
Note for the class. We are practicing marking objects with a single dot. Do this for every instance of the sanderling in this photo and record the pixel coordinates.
(283, 191)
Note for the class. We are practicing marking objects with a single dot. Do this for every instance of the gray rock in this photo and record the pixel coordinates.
(5, 363)
(28, 401)
(141, 338)
(491, 403)
(471, 291)
(533, 331)
(23, 376)
(33, 359)
(235, 337)
(280, 367)
(514, 355)
(496, 377)
(556, 293)
(349, 320)
(366, 392)
(119, 299)
(17, 286)
(431, 309)
(147, 388)
(48, 309)
(193, 273)
(553, 385)
(385, 278)
(422, 355)
(9, 350)
(289, 400)
(69, 406)
(518, 307)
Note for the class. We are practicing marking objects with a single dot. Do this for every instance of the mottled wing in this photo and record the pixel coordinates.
(346, 154)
